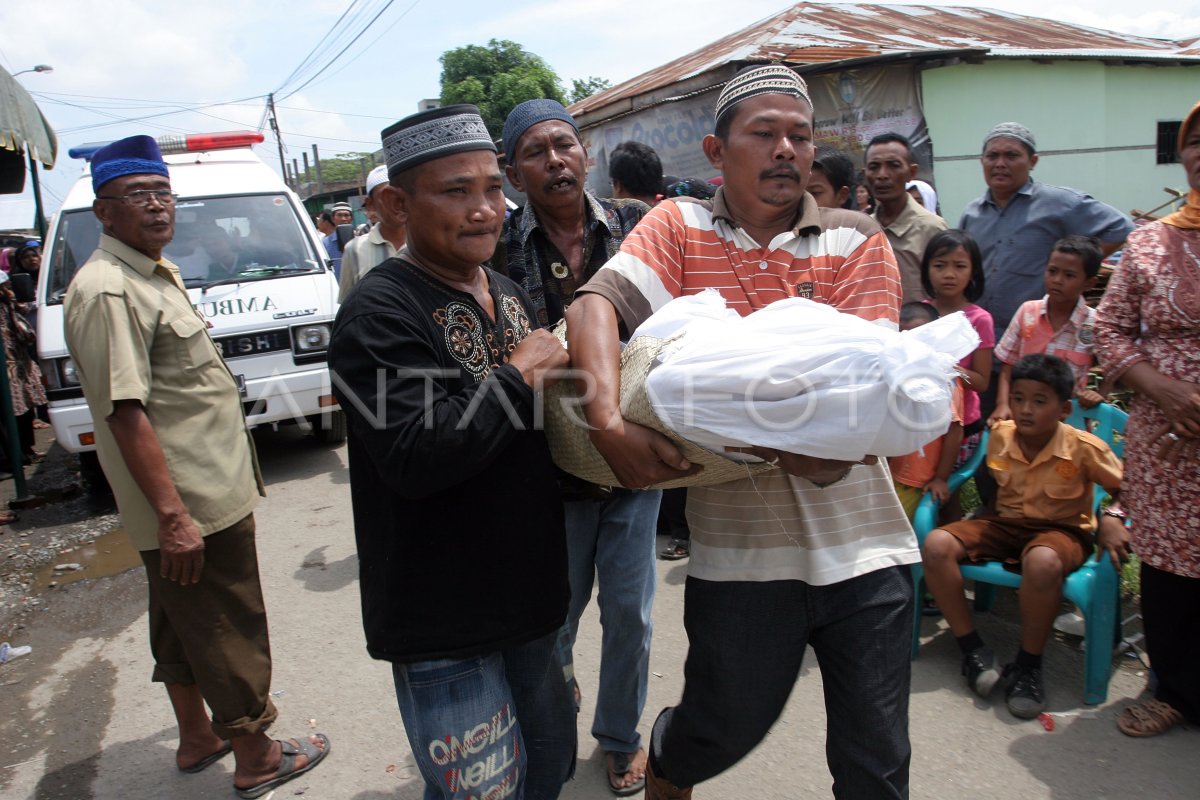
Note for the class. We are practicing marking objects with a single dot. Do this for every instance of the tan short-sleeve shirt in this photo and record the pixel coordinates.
(134, 335)
(908, 235)
(1057, 484)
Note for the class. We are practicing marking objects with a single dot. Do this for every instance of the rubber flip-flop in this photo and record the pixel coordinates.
(210, 759)
(287, 764)
(619, 764)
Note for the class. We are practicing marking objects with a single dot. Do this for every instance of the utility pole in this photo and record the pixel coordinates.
(278, 136)
(317, 166)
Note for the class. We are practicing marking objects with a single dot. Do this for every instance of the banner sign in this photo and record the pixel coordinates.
(851, 107)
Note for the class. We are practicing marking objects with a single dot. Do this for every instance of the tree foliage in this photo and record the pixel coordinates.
(496, 78)
(581, 90)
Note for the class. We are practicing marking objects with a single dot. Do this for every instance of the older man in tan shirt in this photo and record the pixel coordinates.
(174, 446)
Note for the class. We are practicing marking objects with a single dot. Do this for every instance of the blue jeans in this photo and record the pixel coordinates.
(500, 725)
(746, 642)
(613, 541)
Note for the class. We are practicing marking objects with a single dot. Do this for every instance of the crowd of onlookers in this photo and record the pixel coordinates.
(18, 325)
(442, 348)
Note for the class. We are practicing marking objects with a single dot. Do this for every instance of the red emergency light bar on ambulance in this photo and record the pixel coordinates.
(173, 144)
(253, 264)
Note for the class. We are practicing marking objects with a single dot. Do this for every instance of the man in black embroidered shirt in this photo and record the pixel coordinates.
(553, 246)
(457, 514)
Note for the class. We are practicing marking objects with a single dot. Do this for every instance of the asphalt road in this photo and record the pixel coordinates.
(79, 718)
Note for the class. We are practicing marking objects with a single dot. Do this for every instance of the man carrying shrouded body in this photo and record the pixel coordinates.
(813, 553)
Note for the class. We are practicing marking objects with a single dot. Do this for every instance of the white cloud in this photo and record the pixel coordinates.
(131, 45)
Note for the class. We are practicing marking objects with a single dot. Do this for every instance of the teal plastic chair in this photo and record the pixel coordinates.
(1094, 587)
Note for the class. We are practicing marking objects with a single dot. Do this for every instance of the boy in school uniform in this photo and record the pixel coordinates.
(1043, 523)
(1060, 324)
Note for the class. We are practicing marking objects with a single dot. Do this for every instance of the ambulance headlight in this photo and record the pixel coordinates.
(310, 338)
(60, 373)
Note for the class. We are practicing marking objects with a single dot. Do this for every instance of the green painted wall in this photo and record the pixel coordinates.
(1068, 105)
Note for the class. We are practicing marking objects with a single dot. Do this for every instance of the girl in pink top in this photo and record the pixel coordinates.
(952, 275)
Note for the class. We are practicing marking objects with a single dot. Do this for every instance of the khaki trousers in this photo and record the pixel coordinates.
(213, 634)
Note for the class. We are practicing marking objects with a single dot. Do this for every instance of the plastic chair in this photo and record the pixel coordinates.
(1094, 587)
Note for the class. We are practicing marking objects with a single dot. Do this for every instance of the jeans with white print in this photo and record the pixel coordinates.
(489, 727)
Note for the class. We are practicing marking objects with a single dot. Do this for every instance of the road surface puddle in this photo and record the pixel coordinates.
(110, 554)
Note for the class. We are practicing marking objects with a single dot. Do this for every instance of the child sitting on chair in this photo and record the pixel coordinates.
(1043, 525)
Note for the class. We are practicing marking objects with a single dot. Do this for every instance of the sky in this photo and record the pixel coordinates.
(126, 67)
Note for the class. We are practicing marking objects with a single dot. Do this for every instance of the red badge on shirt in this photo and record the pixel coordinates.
(1067, 470)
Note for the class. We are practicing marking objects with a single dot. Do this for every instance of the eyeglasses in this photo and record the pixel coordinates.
(140, 198)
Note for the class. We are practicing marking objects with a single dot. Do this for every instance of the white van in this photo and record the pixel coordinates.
(253, 265)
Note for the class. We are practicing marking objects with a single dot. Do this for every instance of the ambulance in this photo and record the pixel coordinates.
(253, 265)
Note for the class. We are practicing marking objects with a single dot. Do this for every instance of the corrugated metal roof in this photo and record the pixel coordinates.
(819, 33)
(1190, 46)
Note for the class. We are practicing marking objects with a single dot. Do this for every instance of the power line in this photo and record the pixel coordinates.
(349, 44)
(194, 104)
(367, 49)
(338, 113)
(324, 42)
(128, 99)
(119, 119)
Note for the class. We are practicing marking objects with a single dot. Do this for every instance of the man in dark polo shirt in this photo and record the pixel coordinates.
(1017, 221)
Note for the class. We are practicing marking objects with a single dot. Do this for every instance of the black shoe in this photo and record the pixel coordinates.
(1025, 695)
(979, 666)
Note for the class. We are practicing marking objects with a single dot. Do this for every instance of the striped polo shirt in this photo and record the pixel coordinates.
(774, 526)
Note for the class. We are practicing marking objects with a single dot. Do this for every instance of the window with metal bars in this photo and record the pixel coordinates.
(1168, 140)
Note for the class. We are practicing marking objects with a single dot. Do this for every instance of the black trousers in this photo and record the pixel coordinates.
(746, 643)
(1171, 618)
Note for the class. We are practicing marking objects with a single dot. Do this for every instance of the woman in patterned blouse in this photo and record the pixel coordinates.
(1148, 336)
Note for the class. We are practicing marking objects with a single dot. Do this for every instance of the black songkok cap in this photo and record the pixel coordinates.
(434, 134)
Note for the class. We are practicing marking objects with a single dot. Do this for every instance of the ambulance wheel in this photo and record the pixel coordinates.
(329, 428)
(92, 475)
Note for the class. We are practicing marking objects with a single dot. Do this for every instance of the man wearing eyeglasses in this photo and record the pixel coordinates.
(174, 446)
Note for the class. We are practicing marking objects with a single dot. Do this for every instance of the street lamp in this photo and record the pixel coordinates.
(36, 68)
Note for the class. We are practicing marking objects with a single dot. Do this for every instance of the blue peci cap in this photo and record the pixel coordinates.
(528, 114)
(135, 155)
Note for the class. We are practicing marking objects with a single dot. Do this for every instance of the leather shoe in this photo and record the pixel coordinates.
(662, 789)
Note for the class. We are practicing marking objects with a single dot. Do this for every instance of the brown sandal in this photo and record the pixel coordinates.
(1151, 718)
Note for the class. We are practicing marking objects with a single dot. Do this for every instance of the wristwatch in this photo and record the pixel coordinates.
(1115, 512)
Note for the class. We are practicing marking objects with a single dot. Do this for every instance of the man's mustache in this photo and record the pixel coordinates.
(782, 171)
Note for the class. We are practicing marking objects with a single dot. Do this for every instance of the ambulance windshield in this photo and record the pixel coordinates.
(217, 240)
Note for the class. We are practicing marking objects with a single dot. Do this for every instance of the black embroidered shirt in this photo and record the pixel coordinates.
(457, 512)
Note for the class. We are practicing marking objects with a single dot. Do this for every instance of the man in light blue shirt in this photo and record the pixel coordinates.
(1017, 221)
(342, 215)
